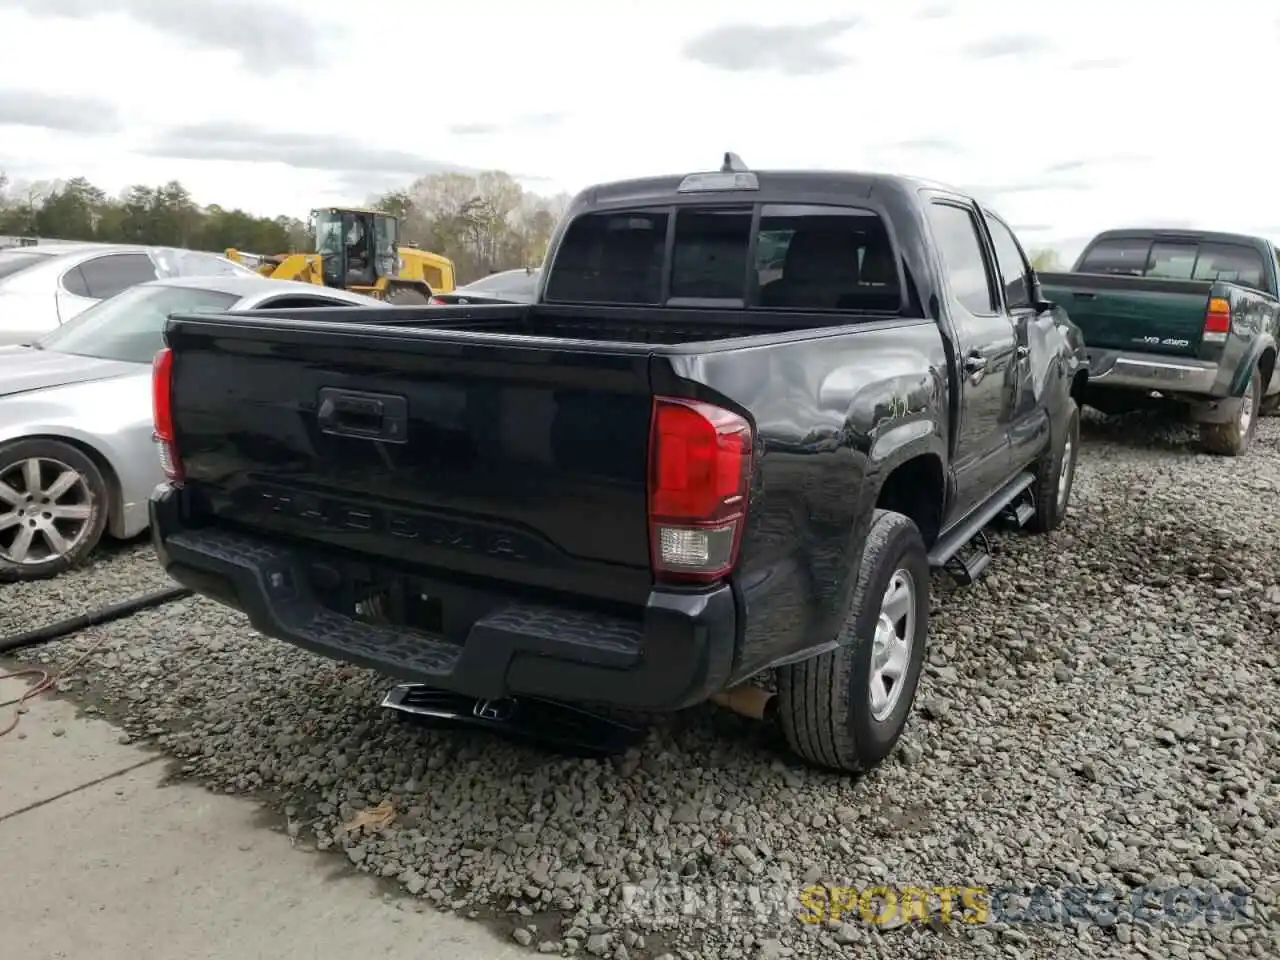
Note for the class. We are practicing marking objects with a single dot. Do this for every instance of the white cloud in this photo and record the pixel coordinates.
(1072, 120)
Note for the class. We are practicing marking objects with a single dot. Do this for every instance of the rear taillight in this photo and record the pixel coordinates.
(436, 301)
(699, 478)
(162, 414)
(1217, 320)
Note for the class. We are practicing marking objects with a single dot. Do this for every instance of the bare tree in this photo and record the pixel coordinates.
(1045, 260)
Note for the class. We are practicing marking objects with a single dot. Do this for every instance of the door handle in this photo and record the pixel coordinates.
(1084, 295)
(975, 365)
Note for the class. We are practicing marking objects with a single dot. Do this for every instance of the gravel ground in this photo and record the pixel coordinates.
(1102, 710)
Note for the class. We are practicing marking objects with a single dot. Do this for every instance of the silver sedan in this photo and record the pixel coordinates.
(76, 455)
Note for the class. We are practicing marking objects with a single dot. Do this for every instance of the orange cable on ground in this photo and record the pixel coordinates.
(47, 678)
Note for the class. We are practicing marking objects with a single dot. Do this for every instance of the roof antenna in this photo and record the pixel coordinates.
(733, 164)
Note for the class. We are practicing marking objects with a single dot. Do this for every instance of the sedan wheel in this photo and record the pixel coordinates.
(52, 508)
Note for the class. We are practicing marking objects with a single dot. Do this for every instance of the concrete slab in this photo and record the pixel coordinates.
(121, 866)
(53, 751)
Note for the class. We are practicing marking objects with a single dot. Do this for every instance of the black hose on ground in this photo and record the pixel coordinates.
(55, 631)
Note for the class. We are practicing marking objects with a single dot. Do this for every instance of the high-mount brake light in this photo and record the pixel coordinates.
(1217, 320)
(162, 414)
(733, 175)
(711, 182)
(699, 480)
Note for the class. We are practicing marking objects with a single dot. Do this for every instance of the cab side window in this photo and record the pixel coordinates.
(1012, 263)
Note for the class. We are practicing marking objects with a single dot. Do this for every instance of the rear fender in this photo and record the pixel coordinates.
(1253, 333)
(907, 418)
(1244, 368)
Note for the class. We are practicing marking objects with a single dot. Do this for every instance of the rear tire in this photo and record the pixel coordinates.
(407, 297)
(1233, 439)
(60, 509)
(830, 712)
(1269, 406)
(1056, 475)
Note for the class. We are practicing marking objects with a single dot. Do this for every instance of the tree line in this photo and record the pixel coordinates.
(483, 223)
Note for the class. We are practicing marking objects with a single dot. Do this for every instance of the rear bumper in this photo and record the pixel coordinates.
(1149, 371)
(678, 654)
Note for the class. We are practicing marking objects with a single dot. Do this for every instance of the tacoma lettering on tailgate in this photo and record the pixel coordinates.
(339, 515)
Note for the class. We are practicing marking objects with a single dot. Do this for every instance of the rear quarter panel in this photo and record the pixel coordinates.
(834, 414)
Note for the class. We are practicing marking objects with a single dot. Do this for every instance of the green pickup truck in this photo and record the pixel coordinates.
(1184, 316)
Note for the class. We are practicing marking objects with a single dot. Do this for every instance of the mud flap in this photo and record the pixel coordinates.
(1224, 410)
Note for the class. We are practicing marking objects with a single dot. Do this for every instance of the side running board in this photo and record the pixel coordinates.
(1013, 501)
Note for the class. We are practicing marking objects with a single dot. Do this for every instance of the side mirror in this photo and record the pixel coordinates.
(1038, 301)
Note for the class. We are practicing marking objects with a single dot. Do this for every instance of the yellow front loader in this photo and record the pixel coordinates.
(359, 250)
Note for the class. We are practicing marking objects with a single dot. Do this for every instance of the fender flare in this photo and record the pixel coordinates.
(1244, 369)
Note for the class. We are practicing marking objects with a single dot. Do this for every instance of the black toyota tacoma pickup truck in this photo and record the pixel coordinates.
(745, 415)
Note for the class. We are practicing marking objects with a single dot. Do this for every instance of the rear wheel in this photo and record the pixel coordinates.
(1233, 438)
(847, 708)
(1269, 406)
(53, 508)
(407, 297)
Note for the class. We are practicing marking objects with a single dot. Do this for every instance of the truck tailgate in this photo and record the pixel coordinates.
(515, 462)
(1149, 315)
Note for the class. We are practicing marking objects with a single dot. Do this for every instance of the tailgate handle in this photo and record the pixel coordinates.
(373, 416)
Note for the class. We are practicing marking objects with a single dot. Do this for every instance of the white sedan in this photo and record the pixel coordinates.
(76, 456)
(44, 286)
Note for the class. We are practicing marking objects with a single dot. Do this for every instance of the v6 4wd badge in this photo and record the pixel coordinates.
(1168, 342)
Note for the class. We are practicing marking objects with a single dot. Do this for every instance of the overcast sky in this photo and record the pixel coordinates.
(1069, 118)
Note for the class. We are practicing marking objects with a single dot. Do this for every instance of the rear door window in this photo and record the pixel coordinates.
(960, 245)
(1123, 255)
(106, 276)
(73, 282)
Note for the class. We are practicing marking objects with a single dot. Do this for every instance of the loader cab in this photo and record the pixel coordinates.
(358, 247)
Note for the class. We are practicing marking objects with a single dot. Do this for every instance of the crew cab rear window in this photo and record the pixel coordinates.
(1230, 261)
(1177, 260)
(1126, 256)
(804, 257)
(610, 258)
